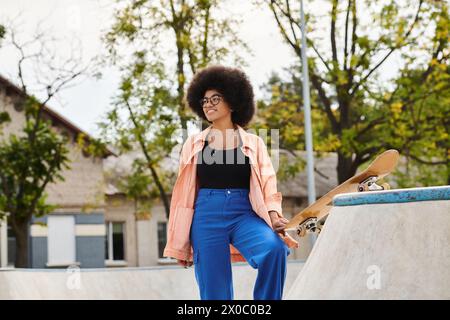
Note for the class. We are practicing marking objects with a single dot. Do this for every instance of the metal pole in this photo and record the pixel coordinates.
(3, 243)
(307, 105)
(308, 130)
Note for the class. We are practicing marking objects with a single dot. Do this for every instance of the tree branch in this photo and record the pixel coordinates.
(325, 102)
(427, 162)
(346, 33)
(297, 48)
(282, 30)
(390, 51)
(370, 125)
(333, 36)
(291, 22)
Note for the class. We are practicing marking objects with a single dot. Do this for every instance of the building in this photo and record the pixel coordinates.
(143, 234)
(74, 234)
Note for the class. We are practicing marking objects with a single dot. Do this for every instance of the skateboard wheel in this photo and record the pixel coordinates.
(386, 186)
(301, 231)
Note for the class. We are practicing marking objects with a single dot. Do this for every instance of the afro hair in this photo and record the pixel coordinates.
(232, 83)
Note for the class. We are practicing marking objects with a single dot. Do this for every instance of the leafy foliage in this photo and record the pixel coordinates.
(29, 162)
(366, 111)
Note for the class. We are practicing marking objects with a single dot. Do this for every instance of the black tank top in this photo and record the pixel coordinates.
(223, 169)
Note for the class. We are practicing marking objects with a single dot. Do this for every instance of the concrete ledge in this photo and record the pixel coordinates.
(380, 251)
(63, 264)
(393, 196)
(164, 283)
(116, 263)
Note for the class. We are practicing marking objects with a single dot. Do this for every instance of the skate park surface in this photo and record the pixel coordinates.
(162, 283)
(380, 245)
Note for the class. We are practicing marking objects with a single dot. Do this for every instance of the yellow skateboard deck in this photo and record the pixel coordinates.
(312, 218)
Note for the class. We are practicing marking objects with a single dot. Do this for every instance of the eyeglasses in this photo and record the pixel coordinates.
(215, 99)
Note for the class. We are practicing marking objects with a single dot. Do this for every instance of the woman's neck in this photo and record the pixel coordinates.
(224, 126)
(226, 134)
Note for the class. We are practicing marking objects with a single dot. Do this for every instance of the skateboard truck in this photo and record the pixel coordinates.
(370, 184)
(309, 226)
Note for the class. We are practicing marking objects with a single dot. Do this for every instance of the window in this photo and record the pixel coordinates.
(61, 240)
(162, 238)
(11, 246)
(114, 241)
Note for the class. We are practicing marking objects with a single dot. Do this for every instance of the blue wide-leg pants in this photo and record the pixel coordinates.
(224, 216)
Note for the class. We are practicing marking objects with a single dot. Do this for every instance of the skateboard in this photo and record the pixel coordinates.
(312, 218)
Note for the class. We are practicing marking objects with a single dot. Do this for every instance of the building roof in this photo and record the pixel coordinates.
(55, 116)
(325, 176)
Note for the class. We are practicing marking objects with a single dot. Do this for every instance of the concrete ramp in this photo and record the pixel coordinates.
(383, 245)
(163, 283)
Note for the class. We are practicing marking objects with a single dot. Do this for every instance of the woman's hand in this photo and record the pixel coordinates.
(278, 224)
(184, 263)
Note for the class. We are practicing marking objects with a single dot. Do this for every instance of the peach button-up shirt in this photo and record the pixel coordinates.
(263, 193)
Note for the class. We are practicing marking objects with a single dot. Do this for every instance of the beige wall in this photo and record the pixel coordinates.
(119, 209)
(148, 236)
(83, 186)
(141, 233)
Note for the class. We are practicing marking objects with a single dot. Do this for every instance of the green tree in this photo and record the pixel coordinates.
(282, 108)
(346, 60)
(36, 155)
(142, 119)
(146, 33)
(418, 111)
(192, 29)
(421, 126)
(2, 32)
(29, 163)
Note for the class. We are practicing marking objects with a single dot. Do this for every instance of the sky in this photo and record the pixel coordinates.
(86, 20)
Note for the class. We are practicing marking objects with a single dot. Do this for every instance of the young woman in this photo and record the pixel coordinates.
(225, 205)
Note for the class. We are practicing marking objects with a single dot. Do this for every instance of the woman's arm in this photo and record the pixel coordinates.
(183, 154)
(278, 223)
(272, 197)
